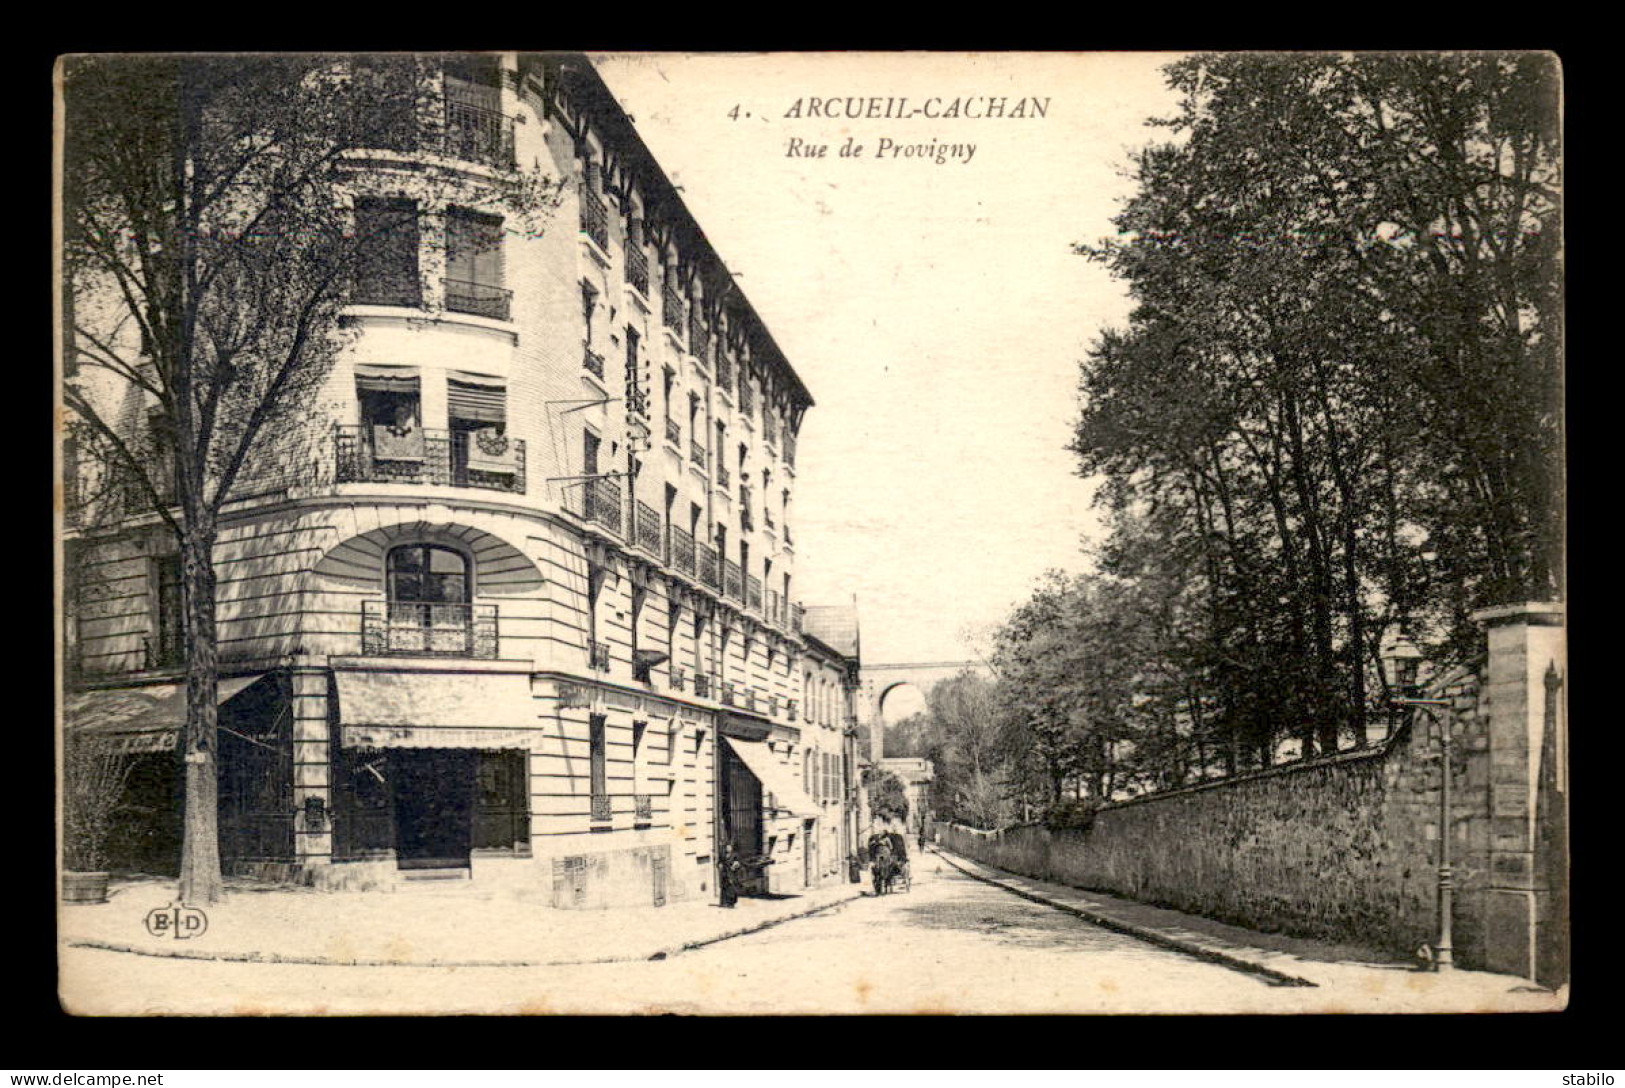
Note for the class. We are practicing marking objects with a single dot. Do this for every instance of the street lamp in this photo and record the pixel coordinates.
(1402, 659)
(1443, 953)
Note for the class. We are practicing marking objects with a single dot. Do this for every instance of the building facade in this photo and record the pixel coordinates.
(519, 603)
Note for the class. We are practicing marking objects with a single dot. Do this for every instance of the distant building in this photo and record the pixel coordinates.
(525, 607)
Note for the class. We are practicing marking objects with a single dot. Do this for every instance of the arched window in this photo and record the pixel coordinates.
(428, 585)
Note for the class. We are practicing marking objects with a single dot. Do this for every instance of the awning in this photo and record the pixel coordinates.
(776, 778)
(144, 719)
(373, 378)
(436, 710)
(480, 402)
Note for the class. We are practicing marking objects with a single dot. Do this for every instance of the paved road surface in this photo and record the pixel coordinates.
(952, 944)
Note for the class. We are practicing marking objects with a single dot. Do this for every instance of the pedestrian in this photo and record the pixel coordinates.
(732, 876)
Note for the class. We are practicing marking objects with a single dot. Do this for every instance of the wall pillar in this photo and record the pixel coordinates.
(312, 766)
(1526, 643)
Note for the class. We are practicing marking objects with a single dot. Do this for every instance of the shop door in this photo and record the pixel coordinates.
(434, 807)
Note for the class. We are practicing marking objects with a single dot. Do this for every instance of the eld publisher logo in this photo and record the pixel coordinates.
(177, 921)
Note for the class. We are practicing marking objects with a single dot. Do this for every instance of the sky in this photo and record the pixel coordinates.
(936, 310)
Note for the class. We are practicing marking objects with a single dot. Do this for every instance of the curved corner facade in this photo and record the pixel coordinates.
(517, 599)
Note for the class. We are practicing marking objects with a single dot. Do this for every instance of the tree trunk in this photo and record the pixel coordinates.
(200, 882)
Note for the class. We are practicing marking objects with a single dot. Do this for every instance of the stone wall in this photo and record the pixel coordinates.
(1346, 847)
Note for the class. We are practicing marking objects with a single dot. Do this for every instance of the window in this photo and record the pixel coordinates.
(474, 270)
(598, 765)
(590, 444)
(423, 577)
(391, 419)
(168, 646)
(387, 268)
(589, 306)
(478, 414)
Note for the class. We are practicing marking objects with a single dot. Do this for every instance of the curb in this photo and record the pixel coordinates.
(312, 961)
(1142, 933)
(757, 928)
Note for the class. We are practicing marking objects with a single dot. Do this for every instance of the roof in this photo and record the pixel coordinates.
(835, 625)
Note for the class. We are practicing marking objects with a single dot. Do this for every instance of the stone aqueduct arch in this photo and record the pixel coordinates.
(876, 681)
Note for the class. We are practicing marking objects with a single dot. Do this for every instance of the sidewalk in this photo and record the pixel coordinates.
(461, 924)
(1283, 960)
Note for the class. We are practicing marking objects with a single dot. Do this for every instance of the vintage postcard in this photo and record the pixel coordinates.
(837, 533)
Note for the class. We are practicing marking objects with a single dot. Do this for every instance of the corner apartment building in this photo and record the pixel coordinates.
(518, 602)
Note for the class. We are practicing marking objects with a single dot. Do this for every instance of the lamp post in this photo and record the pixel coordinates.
(1443, 953)
(1402, 659)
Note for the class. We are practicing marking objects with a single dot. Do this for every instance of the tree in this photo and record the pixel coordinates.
(888, 799)
(209, 247)
(1337, 398)
(94, 774)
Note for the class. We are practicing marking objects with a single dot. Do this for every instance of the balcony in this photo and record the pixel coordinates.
(593, 361)
(388, 287)
(600, 502)
(747, 396)
(732, 580)
(709, 568)
(420, 628)
(643, 808)
(696, 455)
(597, 655)
(646, 526)
(637, 268)
(725, 370)
(723, 480)
(427, 456)
(699, 340)
(727, 693)
(789, 448)
(479, 299)
(770, 428)
(676, 680)
(753, 594)
(674, 432)
(773, 706)
(749, 699)
(680, 544)
(601, 810)
(790, 709)
(796, 615)
(595, 219)
(673, 312)
(702, 686)
(476, 131)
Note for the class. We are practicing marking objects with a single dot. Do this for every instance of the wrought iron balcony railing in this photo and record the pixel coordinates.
(594, 219)
(709, 568)
(676, 680)
(475, 130)
(637, 268)
(481, 299)
(773, 705)
(723, 480)
(643, 808)
(388, 287)
(414, 628)
(601, 502)
(797, 613)
(749, 698)
(732, 580)
(770, 428)
(696, 454)
(427, 456)
(597, 655)
(747, 396)
(753, 593)
(681, 544)
(725, 369)
(646, 524)
(602, 810)
(593, 361)
(789, 447)
(790, 709)
(674, 432)
(673, 312)
(702, 685)
(699, 338)
(727, 693)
